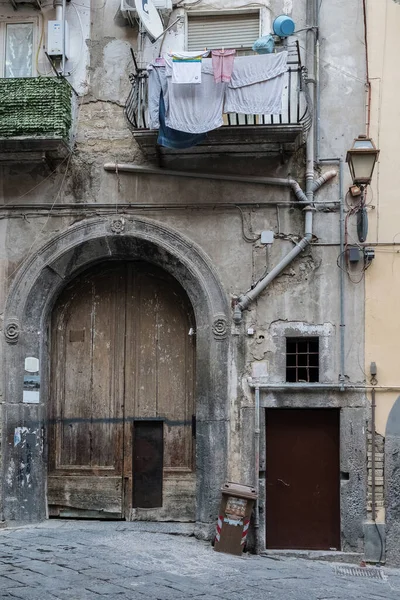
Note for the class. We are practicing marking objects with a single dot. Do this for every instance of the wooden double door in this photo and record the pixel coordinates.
(121, 411)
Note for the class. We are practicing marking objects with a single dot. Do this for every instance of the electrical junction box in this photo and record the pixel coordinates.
(267, 237)
(55, 39)
(354, 255)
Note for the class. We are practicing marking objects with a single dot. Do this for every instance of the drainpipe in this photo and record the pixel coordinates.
(257, 467)
(138, 169)
(310, 64)
(342, 328)
(373, 481)
(246, 299)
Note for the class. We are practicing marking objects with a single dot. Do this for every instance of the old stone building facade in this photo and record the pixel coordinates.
(145, 304)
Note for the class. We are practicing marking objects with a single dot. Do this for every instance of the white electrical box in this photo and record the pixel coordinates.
(267, 237)
(55, 38)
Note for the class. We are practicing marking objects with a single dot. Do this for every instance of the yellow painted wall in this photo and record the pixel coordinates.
(382, 309)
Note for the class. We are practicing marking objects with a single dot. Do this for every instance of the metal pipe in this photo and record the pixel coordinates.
(64, 8)
(58, 8)
(310, 64)
(281, 182)
(342, 325)
(373, 480)
(321, 386)
(323, 179)
(257, 467)
(317, 85)
(303, 386)
(94, 206)
(248, 297)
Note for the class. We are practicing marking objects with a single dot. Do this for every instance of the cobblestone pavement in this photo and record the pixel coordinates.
(76, 560)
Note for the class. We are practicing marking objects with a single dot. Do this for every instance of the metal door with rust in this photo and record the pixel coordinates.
(121, 361)
(303, 479)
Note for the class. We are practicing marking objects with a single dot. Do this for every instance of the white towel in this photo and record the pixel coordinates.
(186, 66)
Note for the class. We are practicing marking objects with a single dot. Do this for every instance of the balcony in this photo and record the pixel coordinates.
(35, 119)
(241, 135)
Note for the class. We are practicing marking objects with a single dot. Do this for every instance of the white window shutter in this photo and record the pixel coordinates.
(239, 30)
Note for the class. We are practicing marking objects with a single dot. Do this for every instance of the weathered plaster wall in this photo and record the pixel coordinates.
(306, 293)
(383, 278)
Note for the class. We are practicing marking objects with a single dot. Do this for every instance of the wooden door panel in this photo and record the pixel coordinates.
(120, 353)
(84, 493)
(86, 412)
(303, 479)
(72, 407)
(160, 377)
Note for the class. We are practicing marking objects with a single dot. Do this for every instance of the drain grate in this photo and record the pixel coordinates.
(366, 572)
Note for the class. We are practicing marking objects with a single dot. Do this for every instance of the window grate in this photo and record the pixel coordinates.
(302, 360)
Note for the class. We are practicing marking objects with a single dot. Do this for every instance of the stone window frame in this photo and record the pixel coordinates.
(279, 331)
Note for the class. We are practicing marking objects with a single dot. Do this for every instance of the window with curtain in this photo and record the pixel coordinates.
(18, 57)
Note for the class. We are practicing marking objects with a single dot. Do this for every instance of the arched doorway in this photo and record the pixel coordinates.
(30, 301)
(121, 411)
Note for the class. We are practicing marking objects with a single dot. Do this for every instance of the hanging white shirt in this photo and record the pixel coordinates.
(186, 66)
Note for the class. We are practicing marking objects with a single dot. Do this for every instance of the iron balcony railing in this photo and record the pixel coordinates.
(296, 107)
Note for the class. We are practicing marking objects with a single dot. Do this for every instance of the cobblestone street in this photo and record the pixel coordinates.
(74, 560)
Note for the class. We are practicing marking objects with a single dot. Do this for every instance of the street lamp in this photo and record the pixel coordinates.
(361, 159)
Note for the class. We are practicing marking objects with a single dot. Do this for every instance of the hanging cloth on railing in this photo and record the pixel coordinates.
(222, 62)
(256, 85)
(157, 99)
(186, 66)
(195, 108)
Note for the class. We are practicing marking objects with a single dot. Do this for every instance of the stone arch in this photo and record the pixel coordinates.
(29, 304)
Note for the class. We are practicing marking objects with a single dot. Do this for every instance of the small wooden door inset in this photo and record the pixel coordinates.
(303, 479)
(148, 448)
(120, 354)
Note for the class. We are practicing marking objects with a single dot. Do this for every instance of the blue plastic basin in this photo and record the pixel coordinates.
(283, 26)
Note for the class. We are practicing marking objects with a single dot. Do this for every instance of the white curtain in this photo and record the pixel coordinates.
(19, 50)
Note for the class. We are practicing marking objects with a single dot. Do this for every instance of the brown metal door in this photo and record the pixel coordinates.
(121, 353)
(303, 479)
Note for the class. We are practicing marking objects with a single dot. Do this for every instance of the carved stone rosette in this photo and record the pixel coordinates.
(220, 327)
(118, 225)
(12, 331)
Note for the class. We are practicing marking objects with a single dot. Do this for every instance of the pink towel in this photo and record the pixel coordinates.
(222, 62)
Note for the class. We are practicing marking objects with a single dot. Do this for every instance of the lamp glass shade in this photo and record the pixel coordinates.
(362, 167)
(361, 159)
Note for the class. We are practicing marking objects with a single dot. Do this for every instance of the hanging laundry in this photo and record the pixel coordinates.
(195, 108)
(256, 85)
(157, 84)
(222, 62)
(186, 66)
(171, 138)
(167, 137)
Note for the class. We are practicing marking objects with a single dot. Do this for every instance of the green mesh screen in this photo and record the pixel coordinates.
(35, 106)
